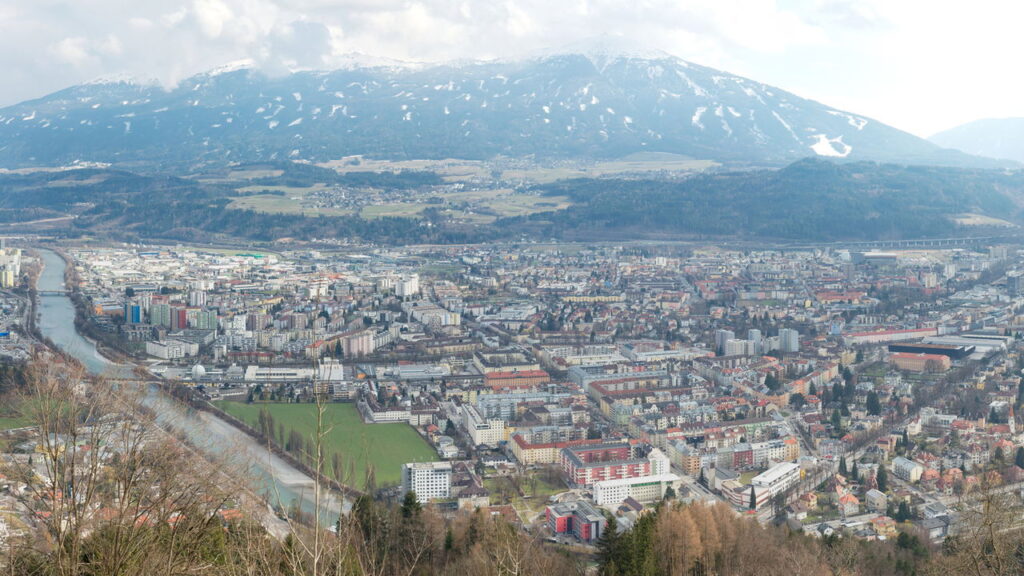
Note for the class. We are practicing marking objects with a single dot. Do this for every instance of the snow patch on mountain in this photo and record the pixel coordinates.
(832, 147)
(855, 121)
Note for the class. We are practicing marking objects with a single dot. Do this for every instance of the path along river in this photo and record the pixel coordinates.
(274, 478)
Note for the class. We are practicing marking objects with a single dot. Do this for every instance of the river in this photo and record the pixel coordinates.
(279, 482)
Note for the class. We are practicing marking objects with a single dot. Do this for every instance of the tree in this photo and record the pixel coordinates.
(842, 466)
(993, 417)
(1019, 458)
(902, 512)
(873, 405)
(797, 400)
(882, 479)
(998, 456)
(771, 382)
(837, 421)
(410, 505)
(670, 493)
(812, 389)
(608, 544)
(854, 474)
(753, 499)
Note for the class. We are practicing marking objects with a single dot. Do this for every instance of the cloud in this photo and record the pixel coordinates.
(211, 16)
(856, 54)
(72, 51)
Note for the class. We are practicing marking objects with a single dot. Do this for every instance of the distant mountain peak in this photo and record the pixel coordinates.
(123, 78)
(627, 99)
(607, 47)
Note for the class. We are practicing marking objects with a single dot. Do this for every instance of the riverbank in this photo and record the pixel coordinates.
(83, 324)
(278, 480)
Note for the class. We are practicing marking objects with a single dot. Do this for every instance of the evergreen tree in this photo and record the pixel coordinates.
(854, 474)
(842, 466)
(837, 421)
(874, 407)
(998, 456)
(812, 389)
(882, 479)
(903, 512)
(1019, 458)
(608, 547)
(410, 505)
(753, 499)
(797, 400)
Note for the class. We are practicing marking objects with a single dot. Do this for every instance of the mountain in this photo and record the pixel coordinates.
(1001, 138)
(576, 104)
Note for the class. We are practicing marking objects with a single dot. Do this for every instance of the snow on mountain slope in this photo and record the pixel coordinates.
(602, 104)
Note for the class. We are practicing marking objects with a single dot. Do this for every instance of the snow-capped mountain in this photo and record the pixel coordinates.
(573, 104)
(991, 137)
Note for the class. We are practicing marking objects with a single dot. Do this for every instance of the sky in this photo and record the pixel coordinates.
(919, 65)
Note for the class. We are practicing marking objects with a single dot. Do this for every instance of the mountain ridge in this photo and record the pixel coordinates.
(567, 105)
(1000, 138)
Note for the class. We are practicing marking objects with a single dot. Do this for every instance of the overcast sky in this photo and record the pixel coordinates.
(919, 65)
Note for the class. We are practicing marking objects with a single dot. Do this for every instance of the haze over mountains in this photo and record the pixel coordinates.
(598, 104)
(991, 137)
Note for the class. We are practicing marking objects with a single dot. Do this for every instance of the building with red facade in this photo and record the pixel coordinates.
(577, 518)
(584, 465)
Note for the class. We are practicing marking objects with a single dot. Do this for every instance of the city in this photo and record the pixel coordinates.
(839, 392)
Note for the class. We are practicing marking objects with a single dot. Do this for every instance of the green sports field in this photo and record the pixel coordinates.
(384, 446)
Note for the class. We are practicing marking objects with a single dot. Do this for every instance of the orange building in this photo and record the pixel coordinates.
(920, 362)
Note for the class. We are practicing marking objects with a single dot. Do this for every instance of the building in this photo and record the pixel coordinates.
(908, 470)
(876, 501)
(789, 340)
(585, 465)
(577, 518)
(10, 265)
(171, 349)
(920, 362)
(528, 450)
(483, 431)
(429, 480)
(721, 337)
(778, 478)
(643, 489)
(408, 286)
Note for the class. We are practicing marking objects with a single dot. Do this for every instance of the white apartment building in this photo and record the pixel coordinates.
(171, 349)
(907, 470)
(490, 431)
(408, 286)
(778, 478)
(429, 480)
(643, 489)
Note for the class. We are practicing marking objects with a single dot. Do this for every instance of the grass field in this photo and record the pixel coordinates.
(384, 446)
(457, 170)
(293, 200)
(11, 422)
